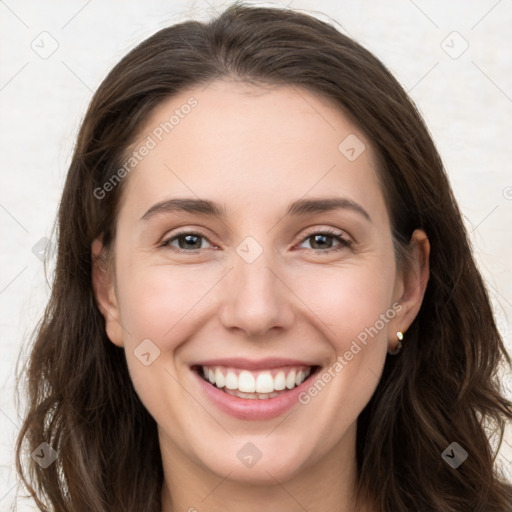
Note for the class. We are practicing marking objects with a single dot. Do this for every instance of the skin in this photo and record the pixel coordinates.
(255, 150)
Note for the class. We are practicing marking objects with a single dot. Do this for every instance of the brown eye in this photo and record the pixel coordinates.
(326, 241)
(186, 241)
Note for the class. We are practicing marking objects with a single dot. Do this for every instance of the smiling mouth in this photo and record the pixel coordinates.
(255, 385)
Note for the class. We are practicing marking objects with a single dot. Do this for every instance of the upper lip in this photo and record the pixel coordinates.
(254, 364)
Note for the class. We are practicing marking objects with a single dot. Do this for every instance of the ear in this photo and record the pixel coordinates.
(411, 284)
(104, 291)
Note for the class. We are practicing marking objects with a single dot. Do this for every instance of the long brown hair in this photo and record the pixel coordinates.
(442, 388)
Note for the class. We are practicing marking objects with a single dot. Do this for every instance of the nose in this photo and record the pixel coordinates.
(255, 299)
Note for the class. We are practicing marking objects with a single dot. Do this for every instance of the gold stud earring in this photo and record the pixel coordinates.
(398, 347)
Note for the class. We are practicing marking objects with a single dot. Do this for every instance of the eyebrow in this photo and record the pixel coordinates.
(297, 208)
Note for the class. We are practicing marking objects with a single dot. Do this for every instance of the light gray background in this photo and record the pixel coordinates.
(466, 99)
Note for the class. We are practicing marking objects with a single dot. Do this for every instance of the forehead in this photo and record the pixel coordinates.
(250, 145)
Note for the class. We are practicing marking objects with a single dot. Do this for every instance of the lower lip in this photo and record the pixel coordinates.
(253, 410)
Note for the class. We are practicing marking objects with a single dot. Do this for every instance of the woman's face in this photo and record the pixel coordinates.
(253, 246)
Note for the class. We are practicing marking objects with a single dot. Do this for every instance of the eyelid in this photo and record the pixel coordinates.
(335, 232)
(325, 230)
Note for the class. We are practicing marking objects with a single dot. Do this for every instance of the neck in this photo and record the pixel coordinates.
(326, 483)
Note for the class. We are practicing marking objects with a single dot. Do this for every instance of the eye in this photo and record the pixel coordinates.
(187, 241)
(322, 241)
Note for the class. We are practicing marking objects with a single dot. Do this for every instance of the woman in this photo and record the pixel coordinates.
(254, 221)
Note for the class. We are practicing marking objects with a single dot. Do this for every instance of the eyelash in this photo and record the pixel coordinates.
(337, 235)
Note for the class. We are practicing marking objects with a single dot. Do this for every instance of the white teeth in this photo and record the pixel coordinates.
(251, 385)
(231, 380)
(219, 378)
(279, 381)
(290, 380)
(264, 383)
(246, 382)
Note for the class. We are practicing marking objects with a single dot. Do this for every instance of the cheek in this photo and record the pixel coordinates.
(349, 300)
(349, 303)
(157, 301)
(160, 308)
